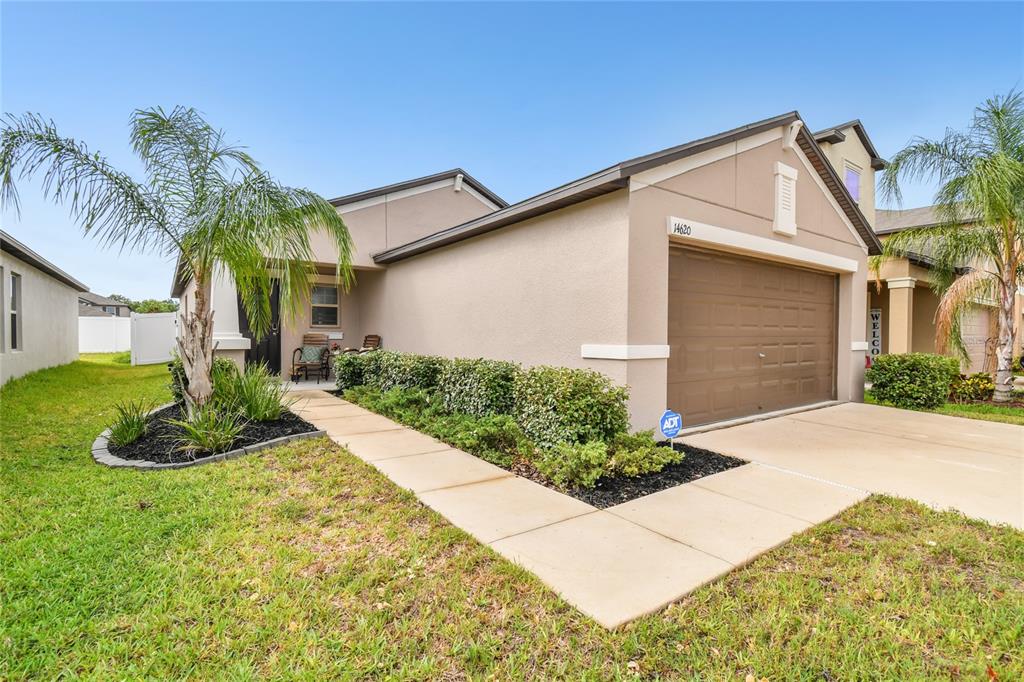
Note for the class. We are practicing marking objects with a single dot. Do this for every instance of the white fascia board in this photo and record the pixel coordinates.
(480, 197)
(828, 195)
(686, 231)
(689, 163)
(601, 351)
(412, 191)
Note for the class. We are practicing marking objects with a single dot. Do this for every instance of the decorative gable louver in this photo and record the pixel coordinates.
(785, 199)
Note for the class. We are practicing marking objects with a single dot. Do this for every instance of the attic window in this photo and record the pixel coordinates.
(851, 178)
(785, 199)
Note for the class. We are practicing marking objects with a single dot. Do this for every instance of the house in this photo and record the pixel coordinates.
(38, 311)
(721, 278)
(902, 305)
(91, 304)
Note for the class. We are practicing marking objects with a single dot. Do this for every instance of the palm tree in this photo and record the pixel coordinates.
(203, 200)
(978, 247)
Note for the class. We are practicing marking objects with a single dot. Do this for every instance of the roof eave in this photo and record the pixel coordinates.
(22, 252)
(417, 182)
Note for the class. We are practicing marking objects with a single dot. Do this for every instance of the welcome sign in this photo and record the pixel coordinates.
(875, 339)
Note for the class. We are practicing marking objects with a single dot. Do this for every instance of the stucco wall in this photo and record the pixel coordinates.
(48, 324)
(392, 220)
(532, 292)
(736, 193)
(347, 333)
(852, 149)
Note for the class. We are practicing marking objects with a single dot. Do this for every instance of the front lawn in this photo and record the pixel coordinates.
(303, 562)
(984, 411)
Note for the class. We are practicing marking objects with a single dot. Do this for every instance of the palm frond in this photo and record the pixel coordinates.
(963, 293)
(108, 203)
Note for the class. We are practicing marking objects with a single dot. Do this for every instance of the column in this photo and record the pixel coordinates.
(901, 313)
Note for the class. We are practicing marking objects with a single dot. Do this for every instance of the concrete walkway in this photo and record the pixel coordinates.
(615, 564)
(974, 466)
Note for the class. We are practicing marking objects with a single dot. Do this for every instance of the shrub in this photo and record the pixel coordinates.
(386, 369)
(633, 455)
(978, 386)
(574, 464)
(477, 387)
(912, 380)
(222, 368)
(208, 430)
(556, 405)
(130, 423)
(255, 394)
(348, 370)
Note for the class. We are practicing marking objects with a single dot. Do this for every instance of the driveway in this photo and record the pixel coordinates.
(974, 466)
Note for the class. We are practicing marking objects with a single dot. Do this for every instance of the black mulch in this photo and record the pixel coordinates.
(159, 443)
(696, 464)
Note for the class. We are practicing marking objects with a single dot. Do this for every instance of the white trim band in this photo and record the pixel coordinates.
(858, 345)
(231, 342)
(690, 231)
(598, 351)
(900, 282)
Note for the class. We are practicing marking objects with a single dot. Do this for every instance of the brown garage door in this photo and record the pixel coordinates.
(747, 336)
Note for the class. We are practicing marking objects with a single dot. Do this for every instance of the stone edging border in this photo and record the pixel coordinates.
(102, 455)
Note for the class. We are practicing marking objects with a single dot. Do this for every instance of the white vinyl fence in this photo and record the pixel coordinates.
(104, 334)
(154, 337)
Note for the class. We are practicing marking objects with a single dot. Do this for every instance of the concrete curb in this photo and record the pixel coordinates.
(101, 455)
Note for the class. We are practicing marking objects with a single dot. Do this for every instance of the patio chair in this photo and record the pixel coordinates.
(314, 357)
(370, 342)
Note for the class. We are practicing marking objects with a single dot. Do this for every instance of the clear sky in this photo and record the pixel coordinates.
(345, 97)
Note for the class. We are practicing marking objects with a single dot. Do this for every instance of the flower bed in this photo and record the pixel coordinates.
(563, 428)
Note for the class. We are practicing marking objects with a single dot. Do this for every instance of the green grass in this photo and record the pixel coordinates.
(986, 412)
(303, 562)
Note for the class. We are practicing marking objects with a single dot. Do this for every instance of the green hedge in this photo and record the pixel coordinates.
(348, 369)
(477, 387)
(556, 405)
(913, 380)
(387, 369)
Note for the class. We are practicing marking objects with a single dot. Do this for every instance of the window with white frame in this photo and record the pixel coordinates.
(17, 332)
(3, 316)
(325, 306)
(851, 178)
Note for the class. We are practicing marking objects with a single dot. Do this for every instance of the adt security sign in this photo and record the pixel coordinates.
(671, 424)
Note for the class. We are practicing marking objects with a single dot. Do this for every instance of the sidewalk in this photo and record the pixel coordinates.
(615, 564)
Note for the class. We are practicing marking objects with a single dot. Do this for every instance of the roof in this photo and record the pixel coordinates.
(96, 299)
(617, 177)
(835, 135)
(887, 221)
(417, 182)
(91, 311)
(24, 253)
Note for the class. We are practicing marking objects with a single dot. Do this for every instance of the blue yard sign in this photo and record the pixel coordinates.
(671, 424)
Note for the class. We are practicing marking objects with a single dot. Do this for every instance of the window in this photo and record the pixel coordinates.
(325, 306)
(851, 179)
(110, 309)
(3, 325)
(15, 308)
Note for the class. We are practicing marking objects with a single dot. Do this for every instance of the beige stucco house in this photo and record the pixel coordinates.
(38, 311)
(902, 305)
(721, 278)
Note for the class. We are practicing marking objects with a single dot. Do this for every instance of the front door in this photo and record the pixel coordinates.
(268, 349)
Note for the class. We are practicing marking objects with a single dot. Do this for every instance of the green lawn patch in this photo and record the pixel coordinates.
(984, 411)
(304, 562)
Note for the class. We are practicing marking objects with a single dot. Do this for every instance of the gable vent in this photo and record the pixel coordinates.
(785, 199)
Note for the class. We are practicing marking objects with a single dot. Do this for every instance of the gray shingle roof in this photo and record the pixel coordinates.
(889, 221)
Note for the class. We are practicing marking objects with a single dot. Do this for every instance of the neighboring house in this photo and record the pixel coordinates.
(38, 311)
(721, 278)
(90, 303)
(903, 305)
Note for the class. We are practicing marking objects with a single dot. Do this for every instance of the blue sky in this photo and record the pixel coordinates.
(345, 97)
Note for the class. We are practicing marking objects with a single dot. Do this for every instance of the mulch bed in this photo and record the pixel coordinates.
(608, 492)
(159, 444)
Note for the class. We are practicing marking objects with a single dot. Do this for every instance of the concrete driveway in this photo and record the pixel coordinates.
(974, 466)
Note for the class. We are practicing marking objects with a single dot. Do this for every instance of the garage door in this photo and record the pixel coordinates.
(747, 336)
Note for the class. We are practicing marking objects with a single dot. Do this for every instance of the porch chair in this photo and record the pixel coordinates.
(370, 342)
(312, 358)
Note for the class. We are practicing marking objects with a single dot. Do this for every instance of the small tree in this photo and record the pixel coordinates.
(978, 247)
(203, 200)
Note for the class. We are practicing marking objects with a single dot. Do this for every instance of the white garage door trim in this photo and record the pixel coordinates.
(687, 231)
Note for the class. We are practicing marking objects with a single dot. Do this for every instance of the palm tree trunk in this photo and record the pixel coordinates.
(195, 344)
(1004, 342)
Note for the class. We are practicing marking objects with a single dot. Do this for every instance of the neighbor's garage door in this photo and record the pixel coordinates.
(747, 336)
